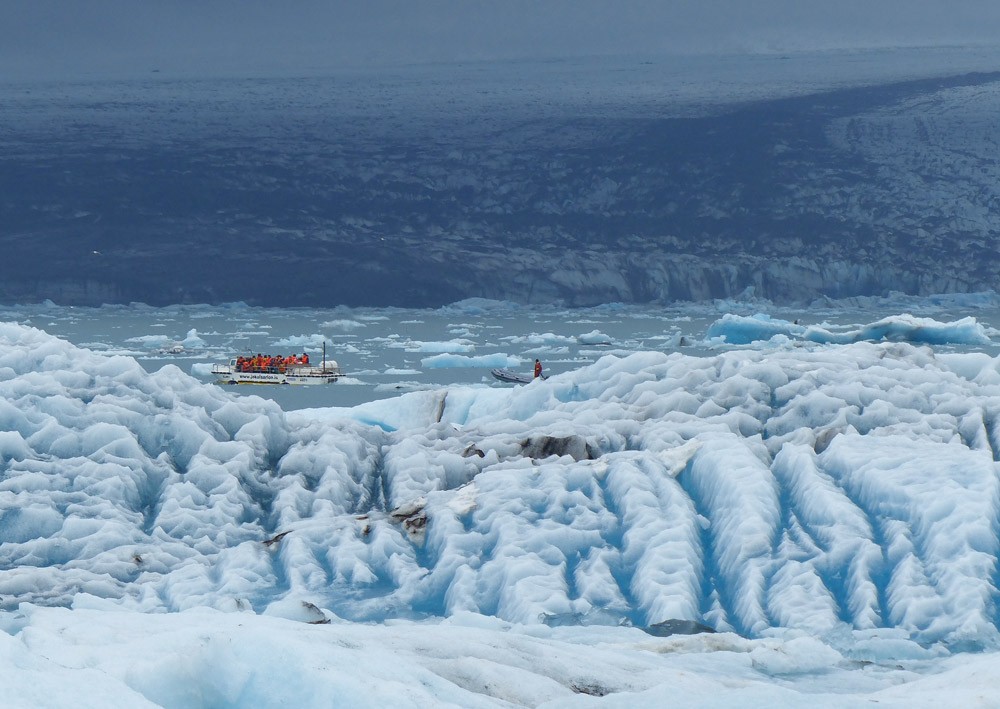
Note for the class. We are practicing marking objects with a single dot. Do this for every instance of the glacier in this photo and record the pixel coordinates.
(829, 510)
(579, 181)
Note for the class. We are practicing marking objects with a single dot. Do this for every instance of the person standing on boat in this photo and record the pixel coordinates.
(538, 369)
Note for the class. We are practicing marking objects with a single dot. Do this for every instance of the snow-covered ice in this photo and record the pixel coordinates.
(89, 657)
(828, 505)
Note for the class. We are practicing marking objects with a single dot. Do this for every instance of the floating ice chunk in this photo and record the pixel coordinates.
(479, 306)
(447, 346)
(343, 324)
(535, 339)
(907, 328)
(192, 341)
(447, 361)
(594, 337)
(742, 330)
(150, 340)
(300, 342)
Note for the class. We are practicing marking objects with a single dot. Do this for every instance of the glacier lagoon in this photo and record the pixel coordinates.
(384, 352)
(818, 485)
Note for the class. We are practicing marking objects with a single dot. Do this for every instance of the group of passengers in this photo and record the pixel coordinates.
(269, 363)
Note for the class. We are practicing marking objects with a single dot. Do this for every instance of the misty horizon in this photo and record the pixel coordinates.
(114, 38)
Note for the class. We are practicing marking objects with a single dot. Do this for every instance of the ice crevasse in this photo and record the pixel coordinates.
(813, 487)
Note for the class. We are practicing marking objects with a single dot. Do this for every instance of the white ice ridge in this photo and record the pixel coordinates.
(740, 330)
(813, 488)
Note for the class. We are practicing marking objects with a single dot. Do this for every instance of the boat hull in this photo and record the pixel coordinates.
(506, 375)
(229, 374)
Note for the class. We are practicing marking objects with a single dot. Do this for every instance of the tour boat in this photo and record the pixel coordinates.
(326, 372)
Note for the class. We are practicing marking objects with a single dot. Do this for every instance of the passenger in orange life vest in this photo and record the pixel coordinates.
(305, 358)
(538, 369)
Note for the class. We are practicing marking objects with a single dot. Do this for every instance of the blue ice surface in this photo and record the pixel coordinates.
(742, 330)
(749, 489)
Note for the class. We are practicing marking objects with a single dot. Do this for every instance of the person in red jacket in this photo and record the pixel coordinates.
(538, 369)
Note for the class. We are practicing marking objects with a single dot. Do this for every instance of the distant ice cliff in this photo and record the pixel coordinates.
(577, 184)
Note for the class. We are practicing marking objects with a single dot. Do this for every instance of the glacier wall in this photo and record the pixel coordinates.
(535, 183)
(814, 488)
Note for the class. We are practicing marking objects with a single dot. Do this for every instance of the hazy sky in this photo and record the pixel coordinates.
(73, 37)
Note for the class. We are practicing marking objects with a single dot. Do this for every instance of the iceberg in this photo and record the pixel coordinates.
(816, 507)
(736, 329)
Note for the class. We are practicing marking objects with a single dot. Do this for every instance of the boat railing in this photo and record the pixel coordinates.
(324, 368)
